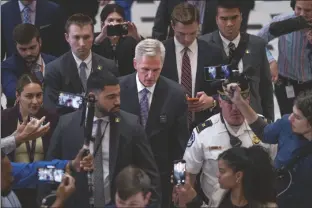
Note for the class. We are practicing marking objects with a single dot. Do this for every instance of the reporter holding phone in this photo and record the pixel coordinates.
(119, 47)
(19, 175)
(29, 98)
(247, 176)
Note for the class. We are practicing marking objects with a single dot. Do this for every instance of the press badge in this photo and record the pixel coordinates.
(290, 92)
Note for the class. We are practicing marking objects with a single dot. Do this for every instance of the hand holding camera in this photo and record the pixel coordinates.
(81, 163)
(65, 189)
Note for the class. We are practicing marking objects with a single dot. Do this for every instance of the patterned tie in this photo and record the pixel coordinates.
(144, 106)
(26, 15)
(36, 70)
(98, 175)
(186, 79)
(83, 75)
(231, 50)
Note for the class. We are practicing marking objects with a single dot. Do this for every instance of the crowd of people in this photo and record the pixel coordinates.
(182, 119)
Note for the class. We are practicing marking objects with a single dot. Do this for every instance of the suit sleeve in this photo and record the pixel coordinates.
(113, 68)
(55, 147)
(8, 82)
(145, 160)
(266, 87)
(25, 174)
(52, 86)
(180, 132)
(162, 21)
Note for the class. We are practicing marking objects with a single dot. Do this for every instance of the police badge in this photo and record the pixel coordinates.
(255, 139)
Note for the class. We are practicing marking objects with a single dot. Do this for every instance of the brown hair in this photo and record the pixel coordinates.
(130, 181)
(24, 80)
(24, 33)
(185, 13)
(80, 20)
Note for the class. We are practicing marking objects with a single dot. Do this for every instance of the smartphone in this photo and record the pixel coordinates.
(117, 30)
(217, 72)
(70, 100)
(50, 175)
(179, 168)
(192, 99)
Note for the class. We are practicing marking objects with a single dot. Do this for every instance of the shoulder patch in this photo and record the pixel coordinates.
(203, 125)
(191, 140)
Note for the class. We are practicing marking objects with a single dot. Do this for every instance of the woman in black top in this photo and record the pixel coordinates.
(118, 48)
(247, 174)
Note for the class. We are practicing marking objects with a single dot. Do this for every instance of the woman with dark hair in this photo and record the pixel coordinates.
(119, 47)
(247, 174)
(29, 98)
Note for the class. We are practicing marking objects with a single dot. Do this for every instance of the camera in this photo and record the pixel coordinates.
(117, 30)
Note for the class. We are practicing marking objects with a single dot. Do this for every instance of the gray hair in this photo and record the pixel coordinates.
(150, 47)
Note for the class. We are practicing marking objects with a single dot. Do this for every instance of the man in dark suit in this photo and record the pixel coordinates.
(46, 15)
(69, 73)
(185, 60)
(27, 59)
(227, 38)
(119, 142)
(161, 105)
(207, 16)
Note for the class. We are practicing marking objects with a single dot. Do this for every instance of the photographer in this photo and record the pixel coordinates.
(247, 175)
(19, 175)
(293, 134)
(115, 42)
(292, 72)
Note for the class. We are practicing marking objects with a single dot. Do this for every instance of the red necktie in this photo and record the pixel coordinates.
(186, 79)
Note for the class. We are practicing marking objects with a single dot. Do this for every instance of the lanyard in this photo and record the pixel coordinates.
(30, 148)
(234, 141)
(96, 149)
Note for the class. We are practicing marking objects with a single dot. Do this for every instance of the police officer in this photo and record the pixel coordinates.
(293, 135)
(217, 134)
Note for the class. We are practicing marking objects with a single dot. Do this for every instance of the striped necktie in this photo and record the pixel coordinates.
(186, 79)
(144, 106)
(231, 50)
(26, 15)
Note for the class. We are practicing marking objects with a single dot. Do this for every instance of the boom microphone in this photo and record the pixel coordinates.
(288, 26)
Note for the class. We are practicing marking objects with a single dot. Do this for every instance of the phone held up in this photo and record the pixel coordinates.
(179, 172)
(117, 30)
(70, 100)
(50, 174)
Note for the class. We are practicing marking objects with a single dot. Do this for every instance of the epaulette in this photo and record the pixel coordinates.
(203, 125)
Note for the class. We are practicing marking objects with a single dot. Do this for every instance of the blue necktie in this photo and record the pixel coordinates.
(144, 106)
(26, 15)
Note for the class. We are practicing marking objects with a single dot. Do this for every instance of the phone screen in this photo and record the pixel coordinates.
(179, 168)
(70, 100)
(52, 175)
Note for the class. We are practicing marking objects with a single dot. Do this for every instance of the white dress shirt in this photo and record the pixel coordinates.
(227, 49)
(193, 55)
(88, 61)
(32, 7)
(140, 87)
(105, 126)
(10, 201)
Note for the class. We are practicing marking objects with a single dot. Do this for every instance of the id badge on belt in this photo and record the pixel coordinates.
(290, 92)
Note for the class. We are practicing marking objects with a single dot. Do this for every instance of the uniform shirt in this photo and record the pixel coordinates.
(203, 150)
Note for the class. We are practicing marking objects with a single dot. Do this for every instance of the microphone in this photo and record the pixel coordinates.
(288, 26)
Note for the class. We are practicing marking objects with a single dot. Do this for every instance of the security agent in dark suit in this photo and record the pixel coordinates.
(47, 16)
(161, 105)
(120, 142)
(69, 73)
(188, 68)
(208, 13)
(228, 38)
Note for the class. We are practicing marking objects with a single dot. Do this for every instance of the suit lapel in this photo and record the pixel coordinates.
(115, 122)
(131, 96)
(40, 11)
(200, 65)
(157, 104)
(16, 19)
(218, 41)
(96, 63)
(72, 76)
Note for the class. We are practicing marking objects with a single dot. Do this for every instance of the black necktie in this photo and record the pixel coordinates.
(231, 50)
